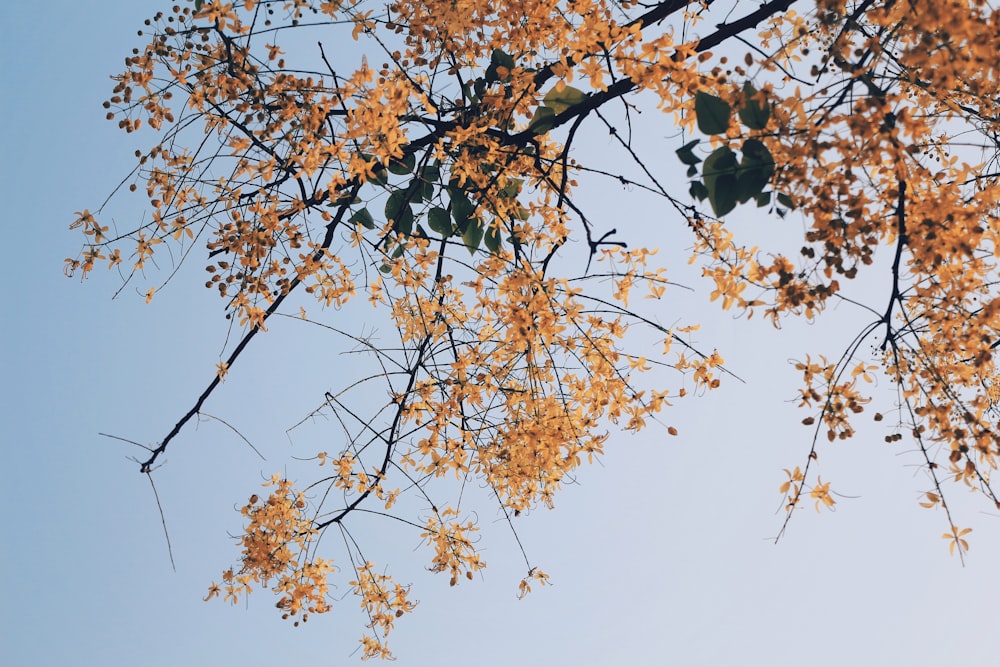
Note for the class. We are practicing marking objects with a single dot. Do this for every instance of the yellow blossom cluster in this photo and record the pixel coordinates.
(433, 172)
(276, 544)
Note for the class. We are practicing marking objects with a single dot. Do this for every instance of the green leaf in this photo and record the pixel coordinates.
(405, 223)
(719, 173)
(473, 235)
(692, 171)
(712, 113)
(755, 170)
(512, 188)
(461, 209)
(754, 114)
(523, 213)
(429, 176)
(542, 120)
(763, 199)
(416, 190)
(756, 153)
(198, 4)
(380, 175)
(402, 167)
(561, 99)
(786, 201)
(398, 211)
(492, 238)
(498, 57)
(426, 190)
(439, 221)
(364, 218)
(468, 93)
(686, 154)
(431, 173)
(698, 190)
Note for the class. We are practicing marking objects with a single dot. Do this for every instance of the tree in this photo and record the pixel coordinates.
(441, 186)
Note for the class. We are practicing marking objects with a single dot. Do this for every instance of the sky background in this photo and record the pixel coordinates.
(662, 554)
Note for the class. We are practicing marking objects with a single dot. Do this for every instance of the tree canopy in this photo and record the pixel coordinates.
(422, 156)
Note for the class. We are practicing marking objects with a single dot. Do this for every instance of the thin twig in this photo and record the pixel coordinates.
(163, 520)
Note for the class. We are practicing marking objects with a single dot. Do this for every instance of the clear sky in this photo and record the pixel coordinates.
(663, 554)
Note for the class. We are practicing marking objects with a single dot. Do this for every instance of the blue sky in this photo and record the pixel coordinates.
(662, 554)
